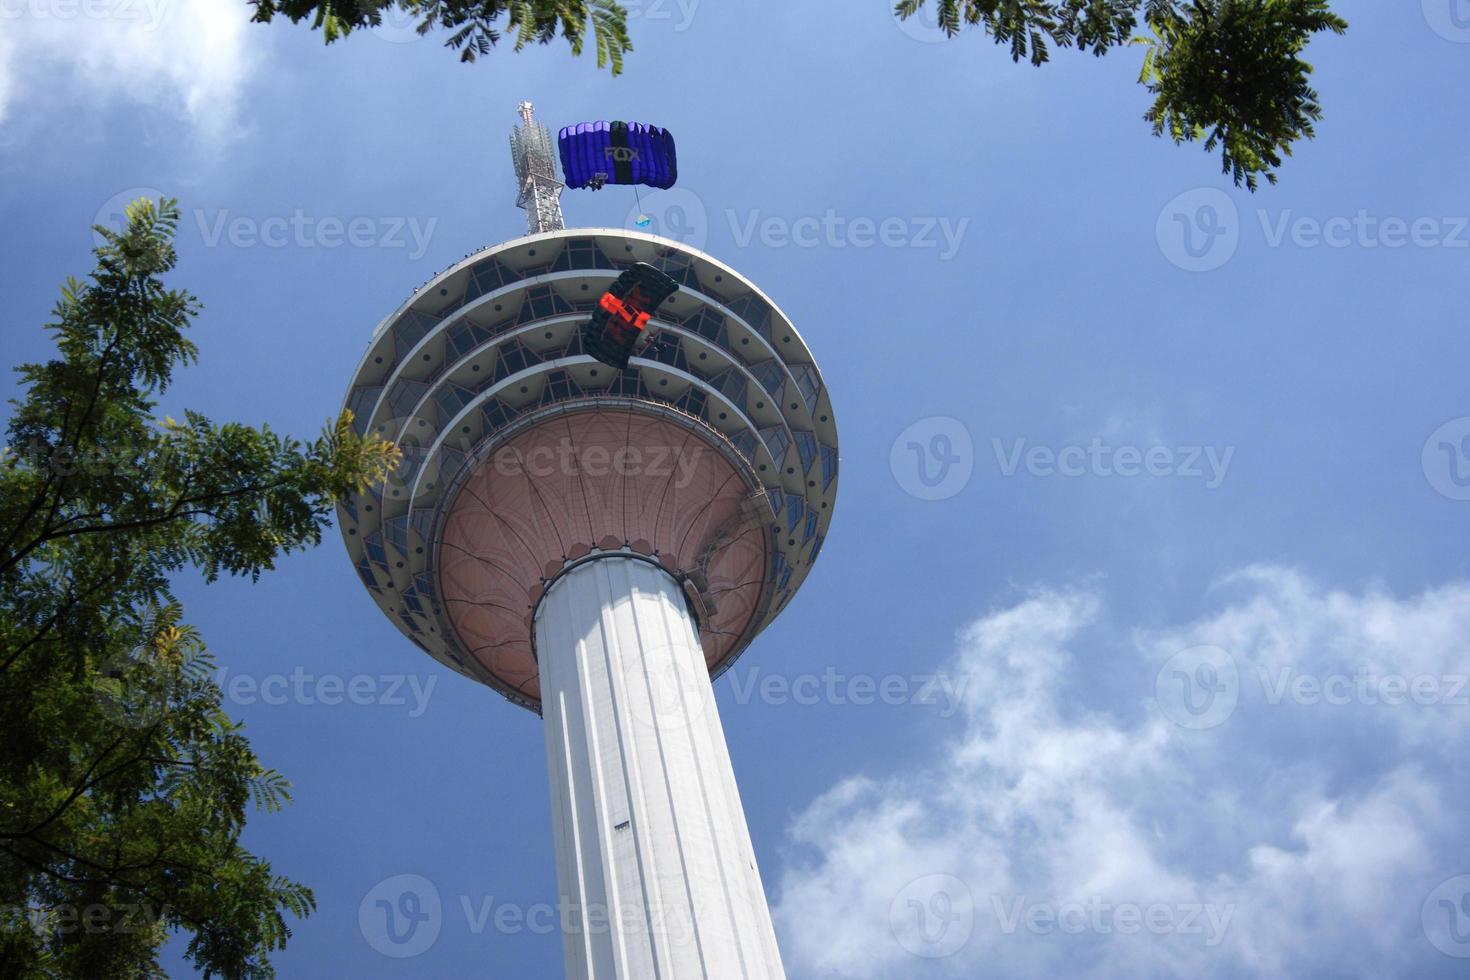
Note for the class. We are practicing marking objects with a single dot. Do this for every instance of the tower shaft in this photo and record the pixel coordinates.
(653, 855)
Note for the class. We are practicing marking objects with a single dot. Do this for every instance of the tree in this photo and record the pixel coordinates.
(1228, 72)
(473, 24)
(123, 784)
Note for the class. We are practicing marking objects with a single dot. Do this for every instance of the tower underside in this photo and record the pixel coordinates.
(714, 453)
(653, 855)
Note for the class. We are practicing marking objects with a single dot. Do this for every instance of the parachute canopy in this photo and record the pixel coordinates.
(622, 313)
(597, 153)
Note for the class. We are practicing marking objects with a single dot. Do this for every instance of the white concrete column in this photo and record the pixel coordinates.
(652, 852)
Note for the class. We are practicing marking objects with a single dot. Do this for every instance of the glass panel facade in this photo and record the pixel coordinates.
(513, 356)
(730, 383)
(806, 445)
(771, 376)
(776, 441)
(744, 442)
(411, 599)
(670, 354)
(463, 337)
(580, 253)
(806, 382)
(490, 275)
(829, 465)
(364, 397)
(542, 302)
(708, 324)
(395, 530)
(497, 413)
(404, 395)
(365, 572)
(450, 460)
(559, 387)
(694, 401)
(795, 507)
(452, 398)
(410, 329)
(373, 545)
(409, 463)
(754, 311)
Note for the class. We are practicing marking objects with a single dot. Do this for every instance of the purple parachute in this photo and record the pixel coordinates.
(597, 153)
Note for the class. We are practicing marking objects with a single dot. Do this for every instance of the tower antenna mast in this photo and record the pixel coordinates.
(535, 161)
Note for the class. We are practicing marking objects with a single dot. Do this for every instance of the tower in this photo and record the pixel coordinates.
(596, 545)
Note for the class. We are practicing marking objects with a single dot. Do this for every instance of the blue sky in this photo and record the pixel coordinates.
(1220, 697)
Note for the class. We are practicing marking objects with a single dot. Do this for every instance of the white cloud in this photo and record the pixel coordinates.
(186, 56)
(1296, 837)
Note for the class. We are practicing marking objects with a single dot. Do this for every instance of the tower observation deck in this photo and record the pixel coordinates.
(596, 545)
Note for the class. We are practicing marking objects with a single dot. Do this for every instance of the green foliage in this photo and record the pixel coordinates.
(1228, 72)
(1232, 74)
(474, 25)
(124, 785)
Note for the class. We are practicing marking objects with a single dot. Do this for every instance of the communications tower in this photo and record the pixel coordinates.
(597, 545)
(534, 155)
